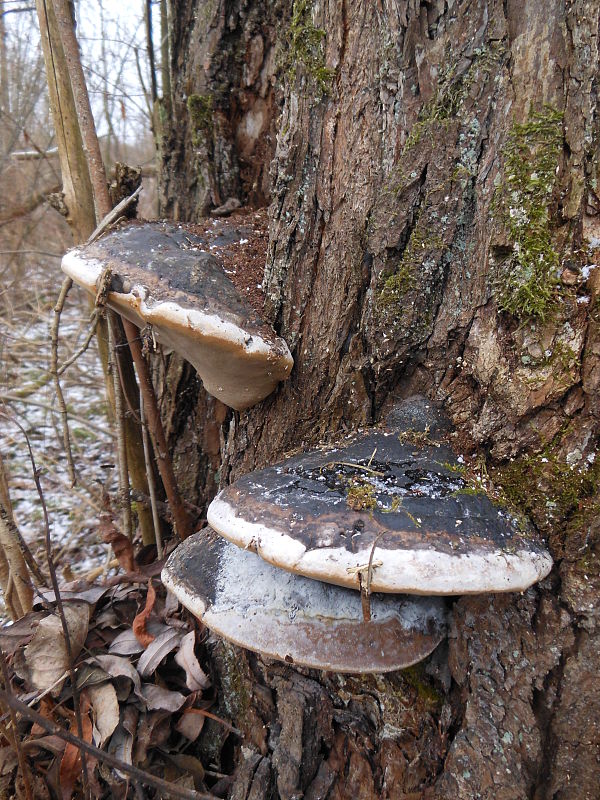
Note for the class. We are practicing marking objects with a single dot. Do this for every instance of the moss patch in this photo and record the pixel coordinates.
(416, 677)
(305, 47)
(395, 287)
(361, 495)
(548, 489)
(528, 278)
(200, 110)
(452, 90)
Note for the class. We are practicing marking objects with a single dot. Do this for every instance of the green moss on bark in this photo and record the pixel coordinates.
(200, 110)
(305, 47)
(548, 489)
(527, 284)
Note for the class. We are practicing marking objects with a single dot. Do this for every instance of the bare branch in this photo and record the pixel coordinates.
(155, 427)
(35, 200)
(59, 603)
(62, 406)
(14, 734)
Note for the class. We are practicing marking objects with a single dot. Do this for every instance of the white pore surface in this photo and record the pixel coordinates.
(414, 571)
(294, 618)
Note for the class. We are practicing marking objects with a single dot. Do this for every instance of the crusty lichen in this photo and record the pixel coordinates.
(528, 276)
(453, 88)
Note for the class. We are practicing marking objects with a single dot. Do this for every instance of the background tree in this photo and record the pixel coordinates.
(430, 171)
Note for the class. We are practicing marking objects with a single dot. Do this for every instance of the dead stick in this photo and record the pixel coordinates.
(150, 476)
(157, 433)
(124, 495)
(14, 734)
(113, 215)
(204, 713)
(90, 335)
(62, 406)
(137, 774)
(59, 605)
(63, 12)
(23, 547)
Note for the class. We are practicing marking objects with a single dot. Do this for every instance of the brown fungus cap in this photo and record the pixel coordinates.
(297, 620)
(168, 278)
(377, 497)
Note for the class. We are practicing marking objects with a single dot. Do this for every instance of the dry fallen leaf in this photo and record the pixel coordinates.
(126, 644)
(158, 698)
(157, 651)
(121, 742)
(45, 657)
(20, 632)
(190, 724)
(121, 545)
(105, 708)
(119, 668)
(70, 764)
(139, 623)
(154, 730)
(190, 765)
(195, 677)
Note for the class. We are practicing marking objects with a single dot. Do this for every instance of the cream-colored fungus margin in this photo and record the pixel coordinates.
(237, 367)
(413, 571)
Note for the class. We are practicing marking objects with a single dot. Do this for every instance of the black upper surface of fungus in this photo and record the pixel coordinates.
(165, 276)
(379, 496)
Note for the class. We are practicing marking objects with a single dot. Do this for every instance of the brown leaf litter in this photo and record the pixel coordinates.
(144, 692)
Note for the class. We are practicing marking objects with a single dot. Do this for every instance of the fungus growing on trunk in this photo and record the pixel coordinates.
(396, 502)
(297, 620)
(165, 277)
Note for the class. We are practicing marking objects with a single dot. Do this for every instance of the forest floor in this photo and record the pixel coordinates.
(143, 696)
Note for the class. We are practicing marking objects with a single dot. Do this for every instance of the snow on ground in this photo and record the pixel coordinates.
(24, 358)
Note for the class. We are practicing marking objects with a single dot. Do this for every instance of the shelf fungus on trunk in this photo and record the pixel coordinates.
(173, 280)
(297, 620)
(401, 506)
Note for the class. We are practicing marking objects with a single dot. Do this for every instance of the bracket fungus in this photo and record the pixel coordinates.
(164, 276)
(297, 620)
(399, 504)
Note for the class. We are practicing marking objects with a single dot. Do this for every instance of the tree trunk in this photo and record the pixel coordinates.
(431, 174)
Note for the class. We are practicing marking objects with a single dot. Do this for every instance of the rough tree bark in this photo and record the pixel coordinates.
(430, 169)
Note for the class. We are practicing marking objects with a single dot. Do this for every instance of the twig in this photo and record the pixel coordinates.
(29, 252)
(59, 603)
(15, 735)
(62, 406)
(137, 774)
(223, 722)
(354, 466)
(11, 398)
(47, 691)
(124, 495)
(157, 433)
(113, 215)
(150, 478)
(90, 335)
